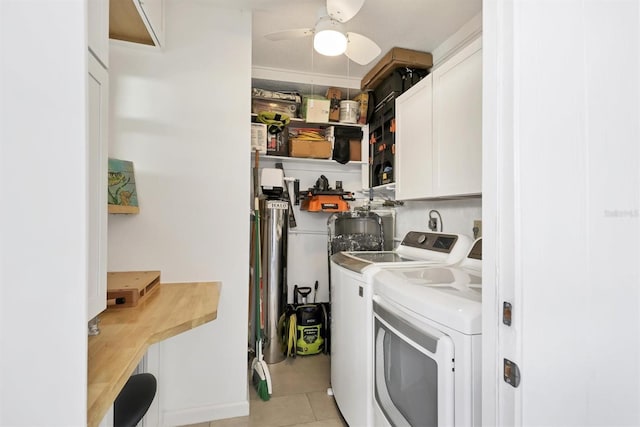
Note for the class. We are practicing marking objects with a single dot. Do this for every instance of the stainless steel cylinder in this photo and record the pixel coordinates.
(274, 255)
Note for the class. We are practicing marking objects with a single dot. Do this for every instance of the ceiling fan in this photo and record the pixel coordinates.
(330, 37)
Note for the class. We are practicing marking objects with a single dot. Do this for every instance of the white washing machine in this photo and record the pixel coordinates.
(427, 344)
(352, 318)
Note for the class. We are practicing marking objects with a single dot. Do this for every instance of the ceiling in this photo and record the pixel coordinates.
(413, 24)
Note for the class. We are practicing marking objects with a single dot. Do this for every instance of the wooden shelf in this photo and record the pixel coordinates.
(303, 121)
(125, 23)
(126, 333)
(119, 209)
(308, 160)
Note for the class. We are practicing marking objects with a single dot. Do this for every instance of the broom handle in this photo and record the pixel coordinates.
(256, 274)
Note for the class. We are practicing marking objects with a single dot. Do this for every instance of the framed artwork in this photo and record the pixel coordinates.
(122, 196)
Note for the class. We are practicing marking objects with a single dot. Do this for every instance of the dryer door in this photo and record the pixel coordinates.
(413, 369)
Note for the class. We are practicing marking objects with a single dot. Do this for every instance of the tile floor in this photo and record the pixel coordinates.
(299, 397)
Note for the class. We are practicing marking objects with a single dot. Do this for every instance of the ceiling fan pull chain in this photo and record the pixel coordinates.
(313, 70)
(348, 76)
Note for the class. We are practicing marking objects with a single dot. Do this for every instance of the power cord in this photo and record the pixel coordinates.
(433, 222)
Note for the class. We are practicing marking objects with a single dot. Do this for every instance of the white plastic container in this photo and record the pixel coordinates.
(259, 137)
(349, 111)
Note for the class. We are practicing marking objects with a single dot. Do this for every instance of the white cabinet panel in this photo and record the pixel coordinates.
(153, 10)
(457, 123)
(414, 143)
(98, 29)
(351, 325)
(97, 116)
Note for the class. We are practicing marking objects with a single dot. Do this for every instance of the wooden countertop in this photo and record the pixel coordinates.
(126, 333)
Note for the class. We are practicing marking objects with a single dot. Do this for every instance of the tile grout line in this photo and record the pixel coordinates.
(315, 417)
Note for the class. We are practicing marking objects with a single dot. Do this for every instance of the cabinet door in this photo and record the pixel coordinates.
(152, 12)
(457, 123)
(414, 142)
(98, 29)
(97, 116)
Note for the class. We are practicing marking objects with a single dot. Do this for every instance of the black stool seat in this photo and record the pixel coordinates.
(134, 400)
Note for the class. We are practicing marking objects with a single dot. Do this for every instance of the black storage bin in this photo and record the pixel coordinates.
(391, 86)
(381, 152)
(411, 76)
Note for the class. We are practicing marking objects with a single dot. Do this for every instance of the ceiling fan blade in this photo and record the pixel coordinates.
(289, 34)
(361, 49)
(343, 10)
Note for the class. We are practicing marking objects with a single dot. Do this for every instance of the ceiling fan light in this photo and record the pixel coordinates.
(330, 42)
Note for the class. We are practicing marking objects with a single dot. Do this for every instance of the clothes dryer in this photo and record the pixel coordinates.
(351, 312)
(427, 344)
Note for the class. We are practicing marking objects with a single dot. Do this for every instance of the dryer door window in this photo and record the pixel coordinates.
(413, 371)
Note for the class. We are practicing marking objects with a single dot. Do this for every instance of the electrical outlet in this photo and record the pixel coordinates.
(477, 228)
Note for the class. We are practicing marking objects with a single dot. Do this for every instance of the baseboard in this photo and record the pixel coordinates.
(203, 414)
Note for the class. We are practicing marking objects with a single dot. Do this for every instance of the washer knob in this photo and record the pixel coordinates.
(422, 238)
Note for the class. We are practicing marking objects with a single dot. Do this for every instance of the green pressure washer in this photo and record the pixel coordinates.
(304, 324)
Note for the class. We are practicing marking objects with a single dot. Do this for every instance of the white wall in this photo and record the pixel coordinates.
(457, 216)
(182, 116)
(465, 35)
(43, 220)
(563, 198)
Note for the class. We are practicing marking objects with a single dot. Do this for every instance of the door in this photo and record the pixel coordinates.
(561, 203)
(457, 123)
(414, 142)
(98, 88)
(413, 369)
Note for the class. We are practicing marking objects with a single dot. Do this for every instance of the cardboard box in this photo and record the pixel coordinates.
(355, 150)
(259, 137)
(363, 100)
(335, 96)
(317, 110)
(396, 57)
(312, 149)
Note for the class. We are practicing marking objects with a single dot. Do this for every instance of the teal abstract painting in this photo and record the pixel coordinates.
(122, 187)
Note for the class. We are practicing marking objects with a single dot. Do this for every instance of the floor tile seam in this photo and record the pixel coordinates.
(315, 418)
(312, 409)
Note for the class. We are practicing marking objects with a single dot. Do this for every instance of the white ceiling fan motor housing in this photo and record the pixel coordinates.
(330, 38)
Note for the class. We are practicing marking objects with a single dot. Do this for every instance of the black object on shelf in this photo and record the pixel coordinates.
(382, 143)
(323, 198)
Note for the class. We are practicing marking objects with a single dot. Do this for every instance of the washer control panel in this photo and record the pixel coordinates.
(439, 242)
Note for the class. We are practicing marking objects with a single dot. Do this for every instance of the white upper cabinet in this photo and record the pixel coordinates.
(137, 21)
(439, 131)
(96, 149)
(98, 29)
(457, 123)
(153, 10)
(414, 142)
(97, 116)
